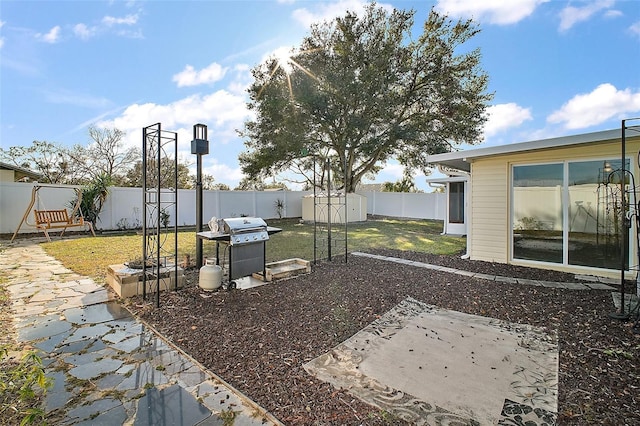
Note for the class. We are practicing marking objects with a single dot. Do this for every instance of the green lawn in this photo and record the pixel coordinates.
(91, 255)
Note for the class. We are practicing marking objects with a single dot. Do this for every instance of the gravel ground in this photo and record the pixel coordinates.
(258, 339)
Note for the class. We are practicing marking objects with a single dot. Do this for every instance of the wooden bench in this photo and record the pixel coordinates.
(58, 219)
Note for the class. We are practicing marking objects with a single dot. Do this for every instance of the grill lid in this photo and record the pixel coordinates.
(245, 230)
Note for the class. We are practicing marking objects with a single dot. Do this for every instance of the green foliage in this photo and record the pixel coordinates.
(362, 90)
(21, 386)
(406, 184)
(619, 352)
(164, 218)
(217, 187)
(228, 417)
(93, 197)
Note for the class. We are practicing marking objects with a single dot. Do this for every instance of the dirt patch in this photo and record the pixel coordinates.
(258, 339)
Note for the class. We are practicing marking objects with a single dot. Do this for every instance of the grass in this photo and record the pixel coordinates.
(90, 256)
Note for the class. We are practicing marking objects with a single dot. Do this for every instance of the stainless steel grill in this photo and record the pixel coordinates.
(247, 241)
(245, 230)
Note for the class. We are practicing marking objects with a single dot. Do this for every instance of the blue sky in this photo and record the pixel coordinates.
(556, 67)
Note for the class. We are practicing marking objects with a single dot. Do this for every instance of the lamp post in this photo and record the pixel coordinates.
(200, 147)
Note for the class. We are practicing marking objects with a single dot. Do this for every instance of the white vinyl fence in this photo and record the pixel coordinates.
(123, 207)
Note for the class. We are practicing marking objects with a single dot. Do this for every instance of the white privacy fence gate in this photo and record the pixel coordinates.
(123, 207)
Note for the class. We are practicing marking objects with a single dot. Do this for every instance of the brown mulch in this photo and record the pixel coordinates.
(259, 339)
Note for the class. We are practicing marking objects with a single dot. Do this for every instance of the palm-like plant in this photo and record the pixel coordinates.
(94, 195)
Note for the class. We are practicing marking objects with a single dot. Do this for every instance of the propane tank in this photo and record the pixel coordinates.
(210, 276)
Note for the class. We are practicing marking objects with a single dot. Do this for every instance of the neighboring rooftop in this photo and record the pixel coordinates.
(20, 174)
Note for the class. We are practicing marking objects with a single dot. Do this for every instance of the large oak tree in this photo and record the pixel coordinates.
(361, 90)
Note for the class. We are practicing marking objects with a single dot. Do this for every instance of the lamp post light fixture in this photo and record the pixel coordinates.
(200, 147)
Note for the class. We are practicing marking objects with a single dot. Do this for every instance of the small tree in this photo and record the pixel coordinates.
(93, 197)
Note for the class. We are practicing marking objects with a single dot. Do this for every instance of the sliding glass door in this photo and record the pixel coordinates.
(595, 226)
(537, 212)
(569, 213)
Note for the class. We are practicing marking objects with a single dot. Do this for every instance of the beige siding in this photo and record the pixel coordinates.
(488, 200)
(490, 192)
(6, 175)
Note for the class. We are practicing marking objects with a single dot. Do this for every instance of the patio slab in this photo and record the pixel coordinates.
(433, 366)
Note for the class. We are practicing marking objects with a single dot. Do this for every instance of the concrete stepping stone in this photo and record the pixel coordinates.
(84, 412)
(115, 416)
(91, 332)
(43, 329)
(144, 374)
(96, 313)
(95, 369)
(57, 396)
(170, 406)
(50, 343)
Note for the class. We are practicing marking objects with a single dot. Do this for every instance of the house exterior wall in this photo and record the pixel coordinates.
(6, 175)
(490, 196)
(489, 215)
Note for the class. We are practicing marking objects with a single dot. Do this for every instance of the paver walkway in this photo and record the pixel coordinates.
(109, 368)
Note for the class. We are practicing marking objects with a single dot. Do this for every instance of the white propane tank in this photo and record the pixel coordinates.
(210, 276)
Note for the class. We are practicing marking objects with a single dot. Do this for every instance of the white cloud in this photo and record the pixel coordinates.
(190, 77)
(52, 36)
(127, 20)
(329, 11)
(223, 173)
(505, 116)
(63, 96)
(613, 13)
(498, 12)
(590, 109)
(635, 28)
(123, 27)
(222, 111)
(570, 15)
(392, 171)
(83, 32)
(242, 79)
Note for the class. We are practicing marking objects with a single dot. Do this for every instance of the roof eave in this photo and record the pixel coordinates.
(461, 160)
